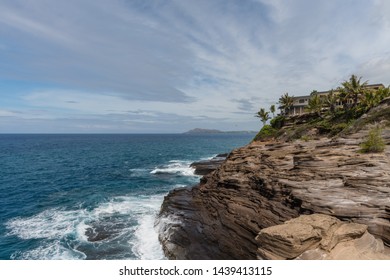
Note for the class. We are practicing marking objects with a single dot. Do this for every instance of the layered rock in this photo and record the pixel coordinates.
(267, 183)
(205, 167)
(319, 236)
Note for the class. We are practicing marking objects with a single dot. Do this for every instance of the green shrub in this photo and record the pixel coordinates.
(337, 128)
(323, 126)
(306, 138)
(266, 132)
(373, 117)
(277, 122)
(374, 142)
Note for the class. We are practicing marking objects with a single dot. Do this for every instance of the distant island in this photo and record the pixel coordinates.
(216, 131)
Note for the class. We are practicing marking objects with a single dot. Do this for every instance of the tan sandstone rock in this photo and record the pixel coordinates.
(319, 236)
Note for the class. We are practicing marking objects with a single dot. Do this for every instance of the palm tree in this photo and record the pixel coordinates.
(263, 115)
(344, 98)
(272, 110)
(370, 99)
(331, 101)
(286, 102)
(383, 93)
(353, 89)
(315, 104)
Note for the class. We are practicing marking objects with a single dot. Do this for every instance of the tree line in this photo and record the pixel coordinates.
(352, 97)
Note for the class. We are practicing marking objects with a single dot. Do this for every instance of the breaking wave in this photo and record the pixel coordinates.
(175, 167)
(90, 234)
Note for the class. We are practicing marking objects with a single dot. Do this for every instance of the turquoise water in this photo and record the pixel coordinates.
(93, 196)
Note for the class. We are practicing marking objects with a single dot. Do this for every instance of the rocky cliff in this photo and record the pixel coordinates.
(267, 183)
(319, 237)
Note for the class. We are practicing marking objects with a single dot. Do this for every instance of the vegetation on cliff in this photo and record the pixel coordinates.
(259, 203)
(265, 184)
(374, 142)
(342, 111)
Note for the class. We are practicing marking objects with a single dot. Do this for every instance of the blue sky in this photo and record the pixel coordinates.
(94, 66)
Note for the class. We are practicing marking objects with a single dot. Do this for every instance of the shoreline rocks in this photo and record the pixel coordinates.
(265, 184)
(205, 167)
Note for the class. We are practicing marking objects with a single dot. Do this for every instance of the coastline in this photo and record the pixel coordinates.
(265, 184)
(93, 196)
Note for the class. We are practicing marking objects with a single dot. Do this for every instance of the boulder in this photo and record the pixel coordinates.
(319, 236)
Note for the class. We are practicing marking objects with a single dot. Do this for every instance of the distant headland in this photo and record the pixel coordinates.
(216, 131)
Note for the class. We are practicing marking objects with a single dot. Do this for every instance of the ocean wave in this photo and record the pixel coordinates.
(209, 158)
(50, 251)
(145, 243)
(167, 225)
(49, 224)
(137, 172)
(126, 222)
(175, 167)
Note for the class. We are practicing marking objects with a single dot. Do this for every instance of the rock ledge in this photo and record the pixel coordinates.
(319, 237)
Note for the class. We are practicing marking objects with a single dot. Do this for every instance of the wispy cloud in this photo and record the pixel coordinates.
(178, 61)
(91, 45)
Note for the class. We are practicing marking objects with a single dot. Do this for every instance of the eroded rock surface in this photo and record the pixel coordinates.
(266, 184)
(319, 236)
(205, 167)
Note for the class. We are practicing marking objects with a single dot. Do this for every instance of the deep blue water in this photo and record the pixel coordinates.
(93, 196)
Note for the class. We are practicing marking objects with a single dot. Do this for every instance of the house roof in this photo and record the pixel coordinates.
(366, 86)
(302, 96)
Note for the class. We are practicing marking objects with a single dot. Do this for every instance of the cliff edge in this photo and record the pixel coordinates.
(267, 183)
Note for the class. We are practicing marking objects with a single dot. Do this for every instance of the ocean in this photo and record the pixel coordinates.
(94, 196)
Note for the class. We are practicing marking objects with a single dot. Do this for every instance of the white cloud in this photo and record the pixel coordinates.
(13, 19)
(7, 113)
(186, 59)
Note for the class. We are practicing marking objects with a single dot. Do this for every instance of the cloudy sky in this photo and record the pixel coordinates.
(135, 66)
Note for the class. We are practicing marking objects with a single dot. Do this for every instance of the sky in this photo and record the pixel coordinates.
(167, 66)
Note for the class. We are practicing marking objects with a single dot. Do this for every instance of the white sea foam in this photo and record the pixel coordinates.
(51, 251)
(119, 205)
(166, 226)
(146, 245)
(137, 172)
(81, 228)
(209, 158)
(178, 167)
(125, 219)
(49, 224)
